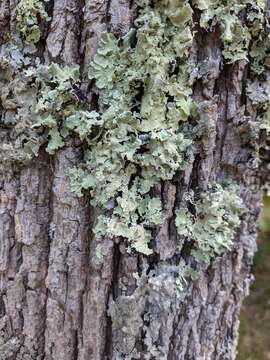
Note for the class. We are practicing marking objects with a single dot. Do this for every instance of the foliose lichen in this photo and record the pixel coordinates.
(241, 25)
(137, 140)
(55, 100)
(137, 136)
(213, 223)
(29, 13)
(19, 141)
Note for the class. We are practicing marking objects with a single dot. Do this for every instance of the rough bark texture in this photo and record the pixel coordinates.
(54, 293)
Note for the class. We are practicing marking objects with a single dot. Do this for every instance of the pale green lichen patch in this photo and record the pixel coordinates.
(214, 221)
(243, 27)
(234, 34)
(260, 44)
(137, 136)
(55, 100)
(136, 140)
(29, 13)
(239, 33)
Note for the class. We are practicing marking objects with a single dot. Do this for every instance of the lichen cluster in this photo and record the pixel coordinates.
(29, 14)
(20, 142)
(139, 133)
(240, 24)
(55, 101)
(143, 103)
(213, 222)
(137, 138)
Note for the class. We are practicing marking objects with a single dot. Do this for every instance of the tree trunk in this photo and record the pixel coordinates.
(58, 300)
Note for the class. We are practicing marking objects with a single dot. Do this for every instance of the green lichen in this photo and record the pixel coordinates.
(260, 44)
(137, 137)
(238, 33)
(213, 223)
(234, 34)
(55, 100)
(136, 140)
(242, 25)
(29, 13)
(98, 252)
(184, 273)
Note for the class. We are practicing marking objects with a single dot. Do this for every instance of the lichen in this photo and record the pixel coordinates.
(213, 222)
(138, 137)
(20, 142)
(260, 44)
(55, 100)
(238, 32)
(29, 13)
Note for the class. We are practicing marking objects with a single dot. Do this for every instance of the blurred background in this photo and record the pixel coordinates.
(254, 342)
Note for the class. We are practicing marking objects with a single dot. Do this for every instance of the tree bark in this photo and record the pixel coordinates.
(55, 295)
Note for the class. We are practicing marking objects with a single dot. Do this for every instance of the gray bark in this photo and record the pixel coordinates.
(54, 293)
